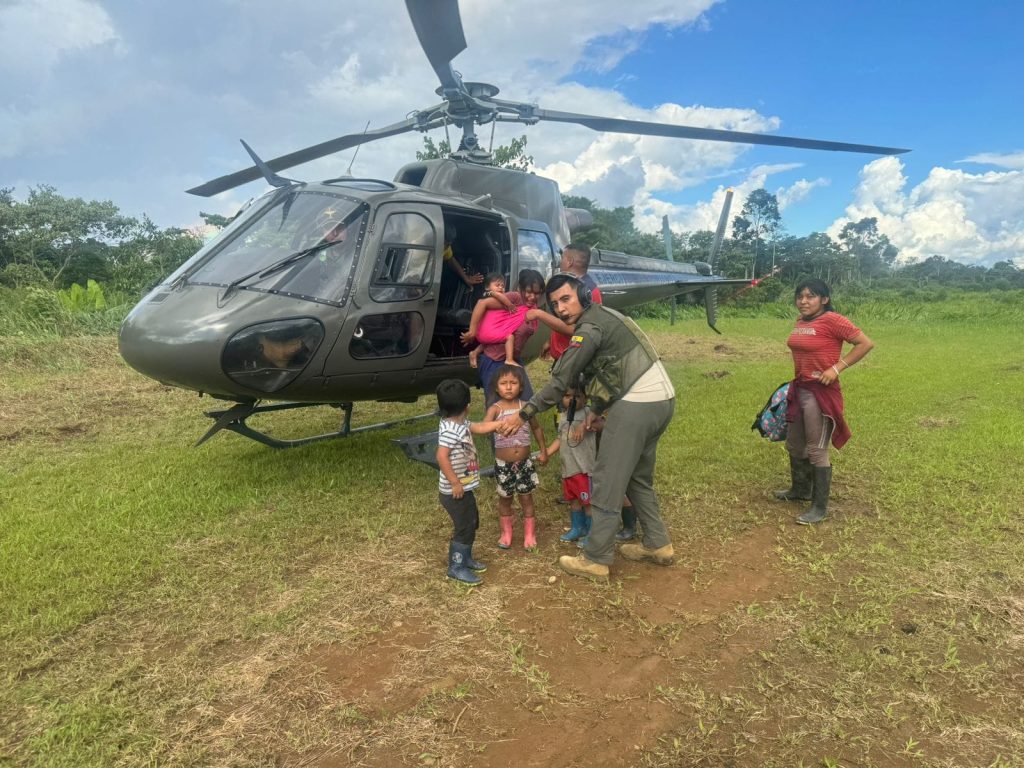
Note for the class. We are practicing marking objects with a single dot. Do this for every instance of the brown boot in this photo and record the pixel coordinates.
(580, 566)
(637, 551)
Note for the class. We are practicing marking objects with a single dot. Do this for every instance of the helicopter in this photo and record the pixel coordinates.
(338, 291)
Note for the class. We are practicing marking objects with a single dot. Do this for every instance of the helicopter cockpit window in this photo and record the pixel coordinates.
(404, 267)
(535, 252)
(304, 246)
(269, 356)
(393, 334)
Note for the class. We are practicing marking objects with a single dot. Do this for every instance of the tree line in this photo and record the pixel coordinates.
(52, 241)
(760, 249)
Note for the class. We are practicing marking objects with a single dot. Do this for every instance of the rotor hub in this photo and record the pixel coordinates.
(476, 90)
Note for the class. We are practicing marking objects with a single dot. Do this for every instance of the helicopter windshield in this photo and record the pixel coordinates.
(325, 227)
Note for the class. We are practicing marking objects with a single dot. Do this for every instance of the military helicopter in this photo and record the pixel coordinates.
(334, 292)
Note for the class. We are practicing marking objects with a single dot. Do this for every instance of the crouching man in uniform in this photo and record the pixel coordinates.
(630, 387)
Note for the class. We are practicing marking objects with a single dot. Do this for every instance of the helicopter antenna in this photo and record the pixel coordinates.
(356, 153)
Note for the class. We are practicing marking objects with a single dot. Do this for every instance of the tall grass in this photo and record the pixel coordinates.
(888, 306)
(43, 313)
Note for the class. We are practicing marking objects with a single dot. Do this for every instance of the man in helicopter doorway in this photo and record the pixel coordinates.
(630, 387)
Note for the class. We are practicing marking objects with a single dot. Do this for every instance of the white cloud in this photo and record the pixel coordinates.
(561, 37)
(705, 214)
(380, 78)
(623, 169)
(1011, 160)
(36, 34)
(971, 218)
(284, 76)
(798, 191)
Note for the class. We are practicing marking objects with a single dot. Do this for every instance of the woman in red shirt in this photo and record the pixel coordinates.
(815, 401)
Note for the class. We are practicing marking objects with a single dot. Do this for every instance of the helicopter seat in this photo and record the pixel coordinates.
(459, 318)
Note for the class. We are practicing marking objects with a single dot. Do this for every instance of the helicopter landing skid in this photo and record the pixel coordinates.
(423, 448)
(234, 419)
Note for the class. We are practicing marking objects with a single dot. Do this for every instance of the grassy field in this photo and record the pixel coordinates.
(231, 605)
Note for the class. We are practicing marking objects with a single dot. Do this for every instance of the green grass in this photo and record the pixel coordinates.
(161, 602)
(929, 492)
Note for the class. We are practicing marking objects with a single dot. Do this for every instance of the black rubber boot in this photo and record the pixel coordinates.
(628, 524)
(457, 568)
(802, 477)
(819, 507)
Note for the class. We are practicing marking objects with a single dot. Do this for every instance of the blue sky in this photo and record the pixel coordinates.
(941, 78)
(111, 99)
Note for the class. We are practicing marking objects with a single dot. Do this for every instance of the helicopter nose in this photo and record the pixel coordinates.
(173, 338)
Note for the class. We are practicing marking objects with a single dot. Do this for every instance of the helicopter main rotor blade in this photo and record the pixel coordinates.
(438, 26)
(618, 125)
(315, 152)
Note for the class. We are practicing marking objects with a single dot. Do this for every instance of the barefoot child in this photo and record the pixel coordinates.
(513, 468)
(495, 354)
(459, 476)
(577, 443)
(494, 326)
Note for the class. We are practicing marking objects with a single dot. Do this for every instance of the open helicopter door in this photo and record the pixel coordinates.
(383, 343)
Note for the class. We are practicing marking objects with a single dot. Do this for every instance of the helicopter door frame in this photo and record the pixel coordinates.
(391, 318)
(551, 263)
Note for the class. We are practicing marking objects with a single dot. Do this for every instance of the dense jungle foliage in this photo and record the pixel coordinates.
(70, 266)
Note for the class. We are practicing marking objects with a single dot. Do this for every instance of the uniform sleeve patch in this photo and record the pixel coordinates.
(576, 341)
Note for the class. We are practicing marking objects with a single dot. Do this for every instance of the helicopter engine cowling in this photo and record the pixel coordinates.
(578, 218)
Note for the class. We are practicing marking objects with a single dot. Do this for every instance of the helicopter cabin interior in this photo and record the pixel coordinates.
(480, 244)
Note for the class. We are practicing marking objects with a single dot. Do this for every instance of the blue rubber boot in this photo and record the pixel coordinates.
(581, 542)
(474, 565)
(579, 523)
(457, 568)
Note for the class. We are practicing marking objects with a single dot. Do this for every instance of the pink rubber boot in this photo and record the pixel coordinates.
(530, 533)
(505, 542)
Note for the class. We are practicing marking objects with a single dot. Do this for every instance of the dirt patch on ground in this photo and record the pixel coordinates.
(585, 672)
(938, 422)
(677, 348)
(370, 674)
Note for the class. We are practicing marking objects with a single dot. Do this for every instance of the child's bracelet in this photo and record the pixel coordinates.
(836, 370)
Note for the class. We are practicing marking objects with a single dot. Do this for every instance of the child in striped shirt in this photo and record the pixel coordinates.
(459, 476)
